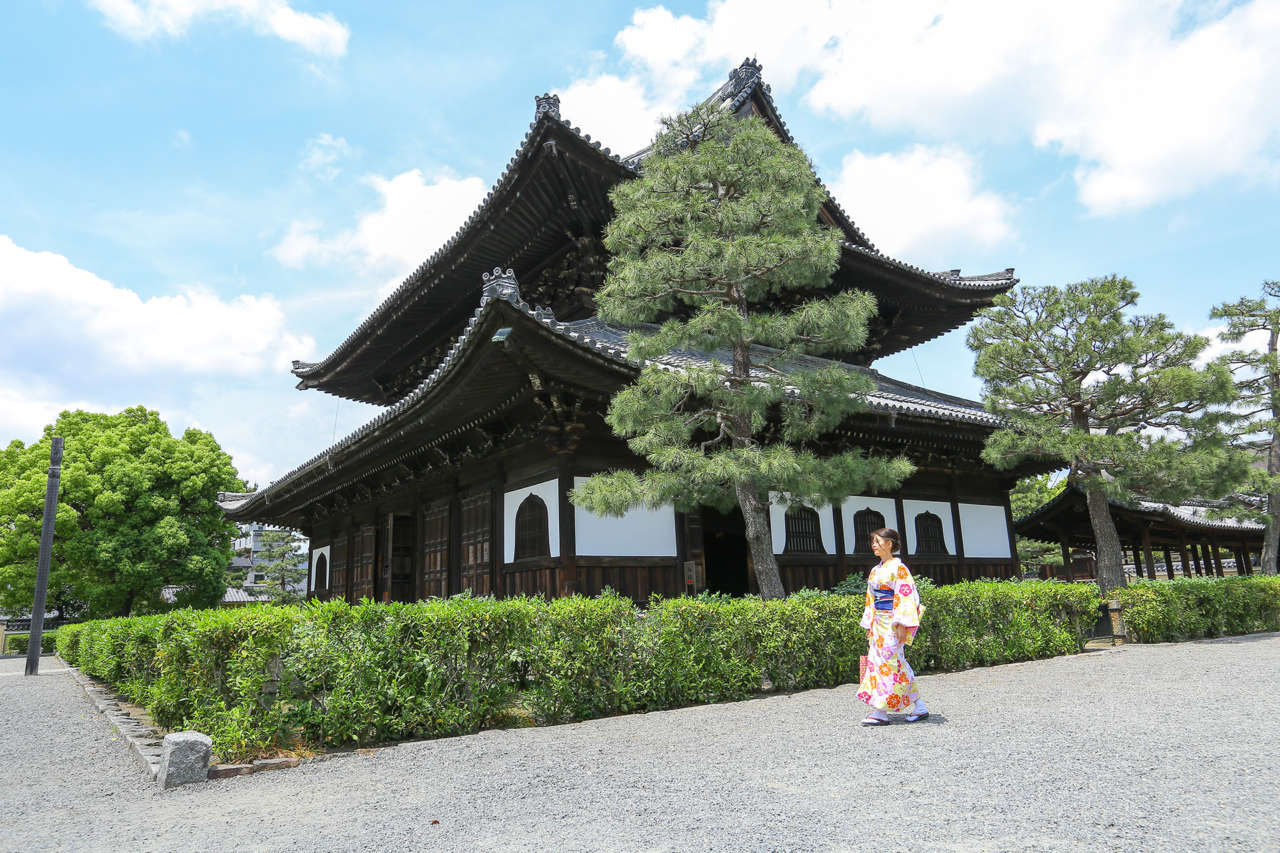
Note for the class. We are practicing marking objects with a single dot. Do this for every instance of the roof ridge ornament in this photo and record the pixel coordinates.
(745, 74)
(501, 285)
(546, 104)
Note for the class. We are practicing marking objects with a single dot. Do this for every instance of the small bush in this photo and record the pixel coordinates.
(17, 644)
(1191, 608)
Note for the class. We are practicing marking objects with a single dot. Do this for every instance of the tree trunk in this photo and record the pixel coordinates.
(1271, 538)
(756, 514)
(1106, 541)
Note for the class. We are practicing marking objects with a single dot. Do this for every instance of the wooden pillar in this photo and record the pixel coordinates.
(1146, 550)
(496, 546)
(1186, 559)
(1068, 570)
(1168, 562)
(569, 582)
(1013, 539)
(419, 548)
(842, 567)
(1217, 558)
(455, 542)
(1244, 552)
(1194, 549)
(961, 569)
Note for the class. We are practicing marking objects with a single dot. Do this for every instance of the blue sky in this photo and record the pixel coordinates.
(196, 192)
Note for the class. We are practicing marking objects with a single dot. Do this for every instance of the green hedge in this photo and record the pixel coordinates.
(1190, 608)
(265, 678)
(16, 644)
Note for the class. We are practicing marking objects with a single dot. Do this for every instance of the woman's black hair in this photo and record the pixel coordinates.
(891, 536)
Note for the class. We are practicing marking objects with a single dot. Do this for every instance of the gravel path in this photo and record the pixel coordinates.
(1164, 747)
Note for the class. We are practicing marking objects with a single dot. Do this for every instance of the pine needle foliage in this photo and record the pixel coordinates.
(1256, 372)
(717, 249)
(1113, 395)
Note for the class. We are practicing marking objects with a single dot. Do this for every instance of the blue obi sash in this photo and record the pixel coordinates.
(883, 599)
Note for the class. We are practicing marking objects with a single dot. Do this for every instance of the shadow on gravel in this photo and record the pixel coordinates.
(1241, 638)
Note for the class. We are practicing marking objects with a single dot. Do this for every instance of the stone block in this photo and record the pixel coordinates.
(224, 771)
(184, 759)
(274, 763)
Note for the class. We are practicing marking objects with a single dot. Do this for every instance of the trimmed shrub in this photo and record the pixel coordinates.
(1191, 608)
(16, 644)
(268, 678)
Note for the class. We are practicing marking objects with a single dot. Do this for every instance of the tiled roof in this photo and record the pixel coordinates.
(1194, 514)
(743, 82)
(594, 335)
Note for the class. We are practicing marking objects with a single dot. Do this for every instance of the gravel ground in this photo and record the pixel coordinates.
(1166, 747)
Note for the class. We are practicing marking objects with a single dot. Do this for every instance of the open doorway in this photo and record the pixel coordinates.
(724, 543)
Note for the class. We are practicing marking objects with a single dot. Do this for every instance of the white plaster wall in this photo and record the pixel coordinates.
(642, 532)
(942, 509)
(328, 561)
(985, 530)
(778, 524)
(858, 503)
(549, 493)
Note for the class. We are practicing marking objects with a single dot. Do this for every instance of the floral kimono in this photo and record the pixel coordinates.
(889, 684)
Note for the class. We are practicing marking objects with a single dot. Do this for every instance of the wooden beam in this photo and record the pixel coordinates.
(1244, 550)
(569, 582)
(1168, 562)
(1217, 558)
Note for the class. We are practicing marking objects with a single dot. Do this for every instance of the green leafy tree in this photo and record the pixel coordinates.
(1257, 428)
(284, 569)
(1110, 394)
(719, 242)
(1028, 494)
(136, 511)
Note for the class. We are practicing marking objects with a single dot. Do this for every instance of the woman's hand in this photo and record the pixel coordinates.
(902, 634)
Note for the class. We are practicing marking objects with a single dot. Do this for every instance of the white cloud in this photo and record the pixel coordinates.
(28, 404)
(1252, 342)
(181, 139)
(415, 218)
(144, 19)
(615, 110)
(193, 331)
(921, 201)
(321, 155)
(1151, 99)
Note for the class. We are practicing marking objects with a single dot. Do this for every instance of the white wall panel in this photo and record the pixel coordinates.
(856, 504)
(985, 530)
(328, 562)
(778, 524)
(942, 509)
(642, 532)
(549, 492)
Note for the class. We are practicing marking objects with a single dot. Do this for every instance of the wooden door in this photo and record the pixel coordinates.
(435, 550)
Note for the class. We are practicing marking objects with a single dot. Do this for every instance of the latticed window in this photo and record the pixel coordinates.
(929, 538)
(532, 539)
(803, 535)
(865, 522)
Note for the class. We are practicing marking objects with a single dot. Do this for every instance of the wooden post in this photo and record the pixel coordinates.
(1168, 562)
(496, 545)
(1013, 539)
(45, 556)
(454, 583)
(1146, 550)
(1194, 548)
(955, 527)
(1217, 558)
(902, 523)
(1186, 559)
(1244, 552)
(569, 582)
(1067, 568)
(837, 517)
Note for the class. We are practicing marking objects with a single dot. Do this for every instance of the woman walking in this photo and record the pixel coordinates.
(891, 617)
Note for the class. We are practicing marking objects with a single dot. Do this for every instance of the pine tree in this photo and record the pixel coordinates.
(1257, 378)
(282, 566)
(719, 242)
(1112, 395)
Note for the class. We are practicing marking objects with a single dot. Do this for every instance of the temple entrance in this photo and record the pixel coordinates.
(724, 543)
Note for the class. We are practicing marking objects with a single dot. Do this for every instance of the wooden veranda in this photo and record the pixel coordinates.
(1147, 528)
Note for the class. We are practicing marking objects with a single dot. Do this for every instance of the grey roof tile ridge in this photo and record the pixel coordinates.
(966, 283)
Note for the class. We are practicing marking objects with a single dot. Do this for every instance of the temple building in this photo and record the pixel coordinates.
(495, 373)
